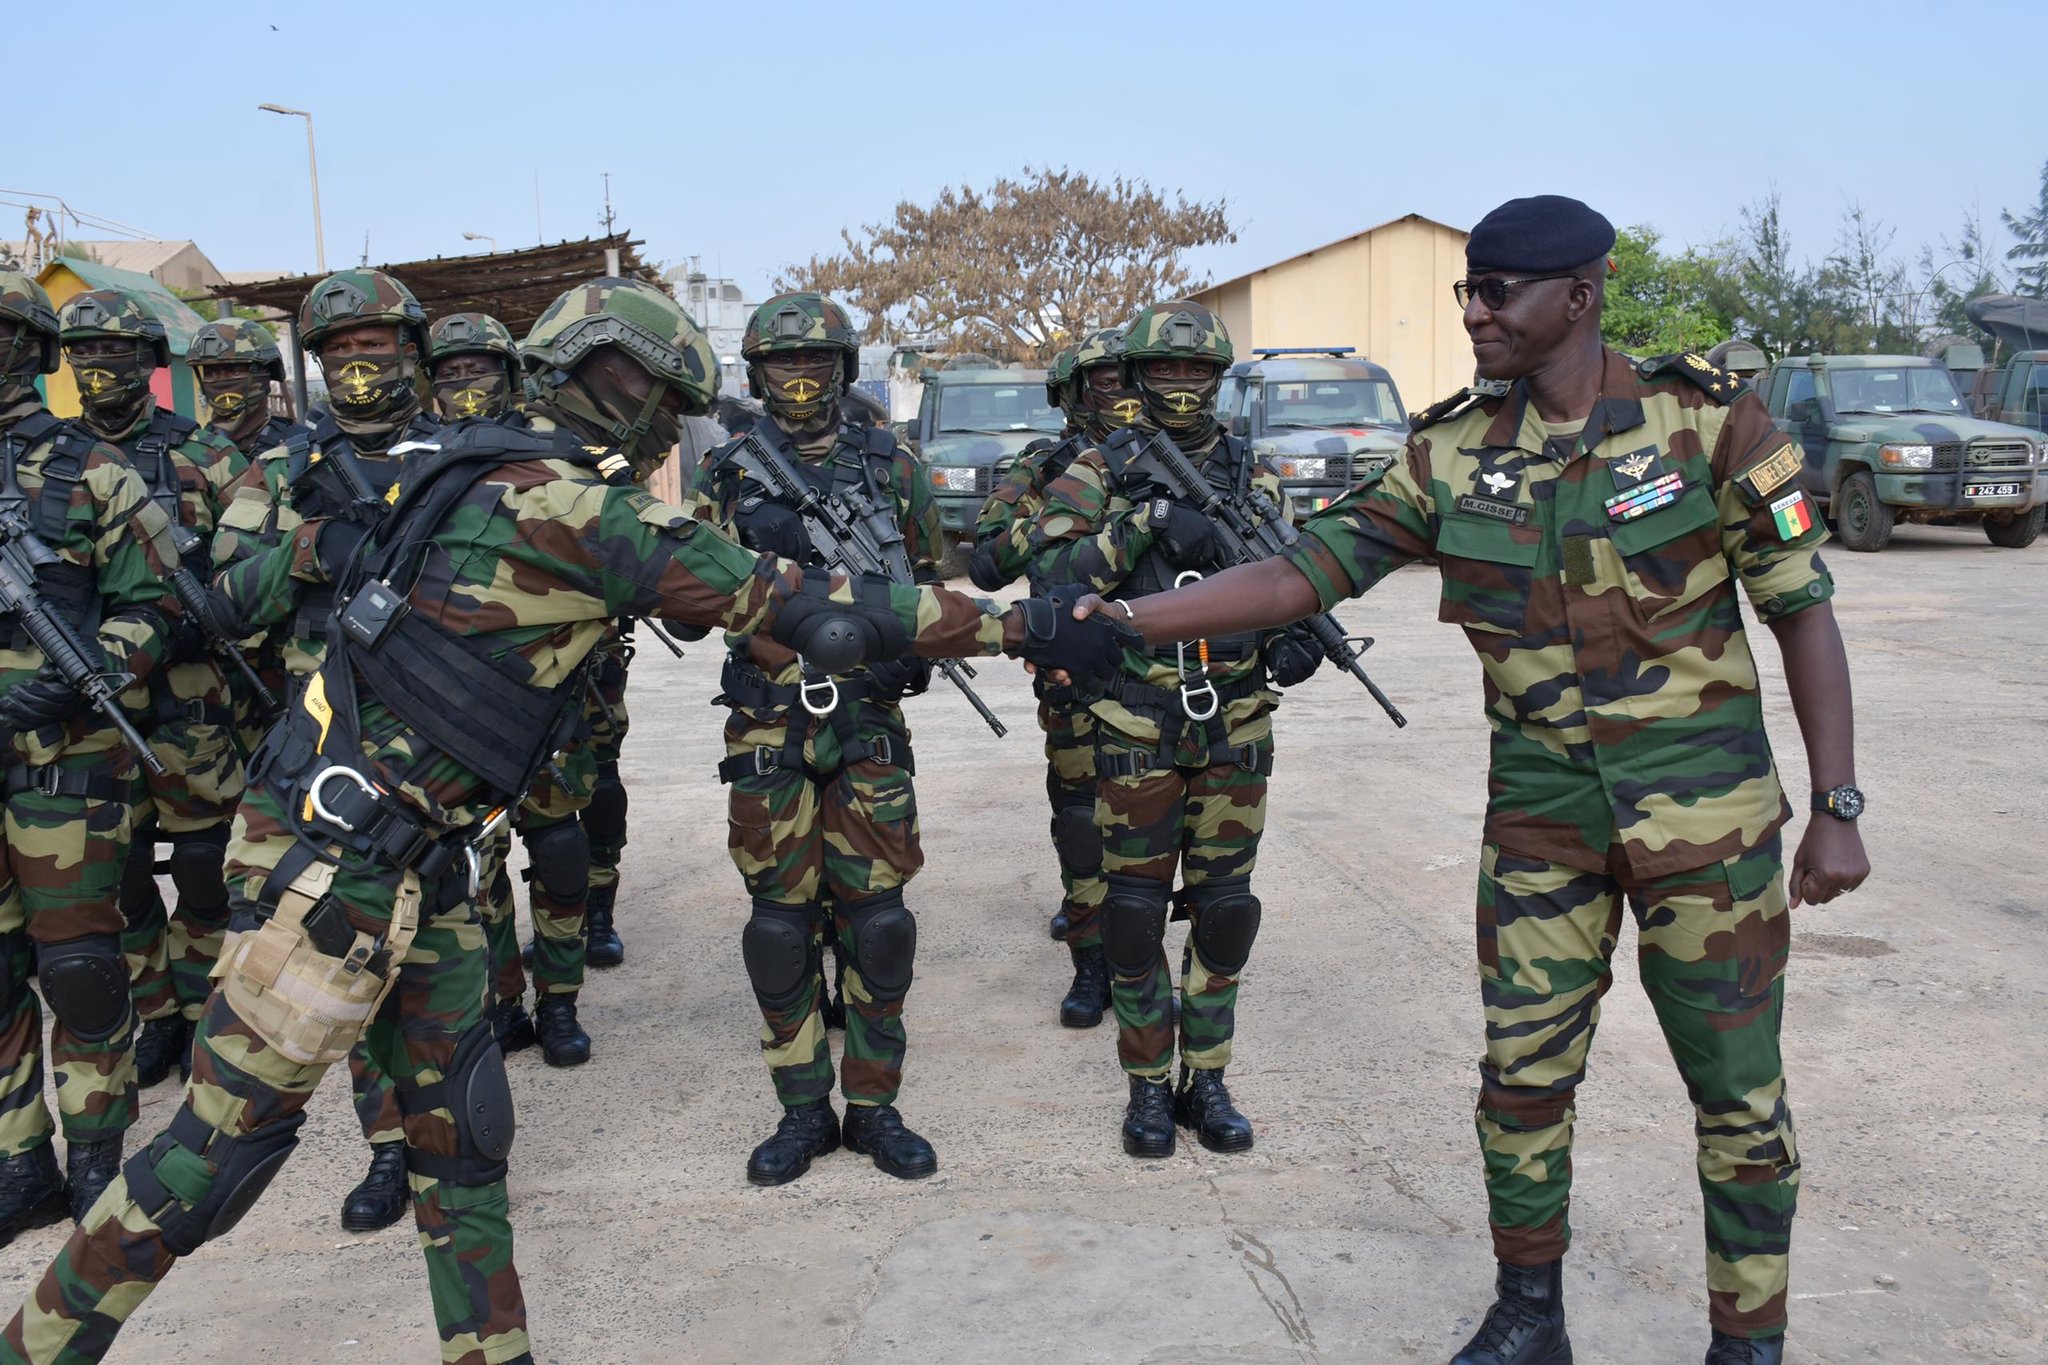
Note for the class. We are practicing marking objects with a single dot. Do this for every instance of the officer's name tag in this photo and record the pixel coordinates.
(1511, 513)
(1645, 498)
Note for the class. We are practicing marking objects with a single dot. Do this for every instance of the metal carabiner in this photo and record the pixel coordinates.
(1192, 698)
(319, 803)
(807, 686)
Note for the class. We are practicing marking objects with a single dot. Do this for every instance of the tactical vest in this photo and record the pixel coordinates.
(859, 468)
(338, 483)
(1229, 467)
(72, 589)
(150, 456)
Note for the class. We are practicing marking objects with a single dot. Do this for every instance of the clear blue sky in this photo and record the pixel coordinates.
(751, 133)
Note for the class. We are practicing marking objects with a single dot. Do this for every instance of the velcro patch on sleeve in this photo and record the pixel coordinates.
(1769, 474)
(1792, 515)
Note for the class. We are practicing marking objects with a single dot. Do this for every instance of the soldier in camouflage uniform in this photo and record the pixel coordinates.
(1086, 383)
(823, 814)
(1591, 518)
(1184, 745)
(512, 548)
(473, 364)
(70, 786)
(370, 336)
(236, 361)
(115, 346)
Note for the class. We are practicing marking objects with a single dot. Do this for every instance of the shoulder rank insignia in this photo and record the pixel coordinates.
(1456, 403)
(1719, 385)
(1769, 474)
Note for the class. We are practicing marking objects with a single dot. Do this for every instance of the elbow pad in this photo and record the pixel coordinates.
(834, 637)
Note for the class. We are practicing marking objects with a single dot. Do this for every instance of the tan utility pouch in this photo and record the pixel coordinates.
(308, 1004)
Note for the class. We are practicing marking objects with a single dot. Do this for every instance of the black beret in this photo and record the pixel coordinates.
(1542, 232)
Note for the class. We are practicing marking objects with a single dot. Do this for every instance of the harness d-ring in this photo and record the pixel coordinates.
(826, 685)
(1199, 698)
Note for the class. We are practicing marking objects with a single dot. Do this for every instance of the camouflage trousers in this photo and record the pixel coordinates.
(604, 818)
(170, 951)
(1711, 946)
(244, 1087)
(1070, 786)
(816, 845)
(61, 881)
(1205, 822)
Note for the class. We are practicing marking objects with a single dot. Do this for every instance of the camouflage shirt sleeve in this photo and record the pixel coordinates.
(263, 546)
(709, 496)
(1386, 521)
(918, 512)
(1090, 534)
(117, 529)
(1009, 518)
(1770, 531)
(219, 465)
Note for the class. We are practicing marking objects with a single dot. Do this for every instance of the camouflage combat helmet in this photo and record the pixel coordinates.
(1179, 328)
(790, 322)
(471, 334)
(1056, 376)
(23, 301)
(236, 341)
(640, 319)
(113, 313)
(348, 297)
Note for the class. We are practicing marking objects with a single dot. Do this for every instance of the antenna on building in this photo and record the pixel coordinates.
(607, 203)
(366, 248)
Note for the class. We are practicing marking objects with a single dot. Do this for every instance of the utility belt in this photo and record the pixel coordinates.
(166, 710)
(1167, 708)
(833, 700)
(91, 784)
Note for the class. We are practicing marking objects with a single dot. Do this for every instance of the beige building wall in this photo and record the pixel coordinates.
(1386, 291)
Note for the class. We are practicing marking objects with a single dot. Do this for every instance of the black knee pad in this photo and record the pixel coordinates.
(1076, 840)
(14, 959)
(884, 943)
(138, 876)
(1226, 916)
(777, 947)
(604, 819)
(242, 1168)
(478, 1093)
(560, 859)
(1133, 924)
(198, 860)
(85, 981)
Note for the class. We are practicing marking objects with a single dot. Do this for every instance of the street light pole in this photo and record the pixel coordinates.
(313, 168)
(482, 237)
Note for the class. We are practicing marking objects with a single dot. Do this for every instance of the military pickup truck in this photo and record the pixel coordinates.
(2014, 388)
(1320, 418)
(970, 425)
(1887, 438)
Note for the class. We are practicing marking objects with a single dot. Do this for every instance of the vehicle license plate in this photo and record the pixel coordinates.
(1991, 490)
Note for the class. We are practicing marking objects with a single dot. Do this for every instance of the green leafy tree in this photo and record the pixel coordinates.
(2030, 231)
(1863, 286)
(1657, 304)
(1955, 272)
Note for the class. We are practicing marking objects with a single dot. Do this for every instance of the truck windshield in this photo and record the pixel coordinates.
(997, 408)
(1906, 389)
(1333, 403)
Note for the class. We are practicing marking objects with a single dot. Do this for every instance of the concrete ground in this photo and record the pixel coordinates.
(1356, 1230)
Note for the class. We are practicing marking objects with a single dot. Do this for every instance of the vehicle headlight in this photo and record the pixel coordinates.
(1298, 467)
(1906, 457)
(953, 478)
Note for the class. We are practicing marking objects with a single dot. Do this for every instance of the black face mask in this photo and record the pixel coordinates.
(368, 391)
(479, 396)
(644, 433)
(18, 394)
(1104, 411)
(802, 397)
(1184, 409)
(236, 398)
(112, 391)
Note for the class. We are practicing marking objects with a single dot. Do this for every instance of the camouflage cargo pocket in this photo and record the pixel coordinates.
(1672, 557)
(881, 793)
(1486, 575)
(754, 806)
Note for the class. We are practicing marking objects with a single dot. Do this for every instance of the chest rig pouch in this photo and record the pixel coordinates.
(329, 479)
(150, 456)
(70, 588)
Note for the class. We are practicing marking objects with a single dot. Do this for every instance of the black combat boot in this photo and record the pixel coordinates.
(1088, 997)
(1203, 1104)
(1148, 1118)
(562, 1040)
(806, 1131)
(514, 1029)
(89, 1167)
(1525, 1326)
(162, 1044)
(601, 946)
(31, 1192)
(1059, 924)
(1727, 1350)
(381, 1199)
(877, 1130)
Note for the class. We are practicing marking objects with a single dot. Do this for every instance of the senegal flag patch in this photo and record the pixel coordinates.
(1792, 515)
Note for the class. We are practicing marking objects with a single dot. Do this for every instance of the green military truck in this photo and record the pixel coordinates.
(972, 422)
(1322, 419)
(2014, 387)
(1888, 438)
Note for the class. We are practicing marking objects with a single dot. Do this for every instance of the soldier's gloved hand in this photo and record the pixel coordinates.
(770, 528)
(224, 619)
(1187, 537)
(982, 569)
(1090, 652)
(45, 699)
(1292, 656)
(337, 542)
(906, 677)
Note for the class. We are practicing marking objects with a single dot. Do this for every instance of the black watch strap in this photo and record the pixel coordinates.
(1844, 802)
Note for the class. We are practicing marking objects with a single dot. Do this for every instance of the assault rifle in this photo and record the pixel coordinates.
(851, 540)
(21, 554)
(1250, 528)
(192, 597)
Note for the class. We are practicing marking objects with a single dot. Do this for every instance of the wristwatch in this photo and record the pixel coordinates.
(1844, 802)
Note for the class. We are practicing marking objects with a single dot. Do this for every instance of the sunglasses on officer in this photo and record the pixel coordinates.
(1493, 291)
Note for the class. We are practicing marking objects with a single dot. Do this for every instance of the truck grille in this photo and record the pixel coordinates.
(1948, 458)
(2000, 455)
